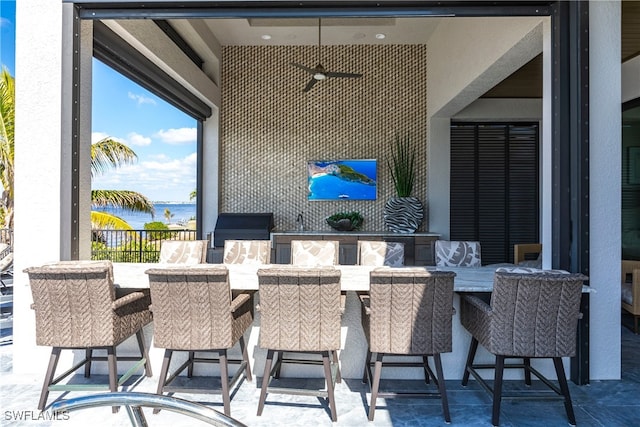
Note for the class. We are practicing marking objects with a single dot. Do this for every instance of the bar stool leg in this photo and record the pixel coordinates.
(279, 356)
(473, 347)
(375, 385)
(144, 353)
(497, 390)
(330, 385)
(425, 363)
(527, 370)
(265, 381)
(442, 387)
(166, 361)
(113, 373)
(192, 355)
(51, 370)
(88, 354)
(245, 356)
(367, 361)
(564, 388)
(224, 381)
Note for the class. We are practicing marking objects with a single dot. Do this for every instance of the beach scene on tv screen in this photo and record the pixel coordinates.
(342, 179)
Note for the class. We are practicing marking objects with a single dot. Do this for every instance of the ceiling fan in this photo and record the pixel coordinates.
(319, 73)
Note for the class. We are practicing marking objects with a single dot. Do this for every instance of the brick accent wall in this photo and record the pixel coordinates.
(270, 127)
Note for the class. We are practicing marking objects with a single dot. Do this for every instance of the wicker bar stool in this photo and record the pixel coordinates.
(300, 312)
(187, 252)
(78, 307)
(408, 312)
(390, 254)
(247, 252)
(530, 316)
(455, 253)
(193, 311)
(315, 252)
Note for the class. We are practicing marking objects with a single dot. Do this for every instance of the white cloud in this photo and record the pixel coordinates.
(162, 178)
(177, 136)
(140, 99)
(136, 139)
(159, 157)
(98, 136)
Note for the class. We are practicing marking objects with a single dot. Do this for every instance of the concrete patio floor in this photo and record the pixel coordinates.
(602, 403)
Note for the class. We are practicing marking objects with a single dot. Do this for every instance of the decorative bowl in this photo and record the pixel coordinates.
(343, 224)
(348, 221)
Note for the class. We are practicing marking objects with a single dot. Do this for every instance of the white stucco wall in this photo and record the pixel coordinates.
(38, 163)
(605, 144)
(467, 57)
(506, 109)
(486, 52)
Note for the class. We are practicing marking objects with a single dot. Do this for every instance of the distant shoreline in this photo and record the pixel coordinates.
(182, 212)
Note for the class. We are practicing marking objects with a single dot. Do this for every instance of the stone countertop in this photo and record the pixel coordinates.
(354, 277)
(351, 233)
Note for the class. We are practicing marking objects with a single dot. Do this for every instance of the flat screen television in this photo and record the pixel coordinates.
(353, 179)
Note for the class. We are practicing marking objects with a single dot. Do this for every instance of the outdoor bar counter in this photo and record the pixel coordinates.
(353, 344)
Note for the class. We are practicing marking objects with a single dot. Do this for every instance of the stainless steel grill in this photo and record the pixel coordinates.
(242, 226)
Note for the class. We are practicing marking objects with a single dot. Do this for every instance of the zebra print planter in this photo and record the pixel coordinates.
(403, 214)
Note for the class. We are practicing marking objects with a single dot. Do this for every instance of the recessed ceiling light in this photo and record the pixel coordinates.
(266, 37)
(380, 36)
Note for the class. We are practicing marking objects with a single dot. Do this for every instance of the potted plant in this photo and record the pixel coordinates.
(403, 213)
(345, 221)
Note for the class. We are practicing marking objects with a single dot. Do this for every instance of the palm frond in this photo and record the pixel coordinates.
(122, 199)
(109, 153)
(104, 220)
(7, 132)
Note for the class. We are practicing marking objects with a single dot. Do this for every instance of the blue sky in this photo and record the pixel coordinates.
(8, 34)
(163, 137)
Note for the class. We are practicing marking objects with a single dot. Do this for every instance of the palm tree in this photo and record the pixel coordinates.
(167, 214)
(108, 153)
(7, 115)
(105, 153)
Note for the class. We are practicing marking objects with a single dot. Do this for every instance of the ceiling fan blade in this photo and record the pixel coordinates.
(302, 67)
(352, 75)
(310, 85)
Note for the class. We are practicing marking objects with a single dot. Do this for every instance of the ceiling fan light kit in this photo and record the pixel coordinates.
(318, 72)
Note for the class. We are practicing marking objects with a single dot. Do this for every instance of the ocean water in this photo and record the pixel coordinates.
(330, 187)
(182, 212)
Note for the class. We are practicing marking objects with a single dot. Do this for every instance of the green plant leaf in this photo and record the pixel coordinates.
(401, 165)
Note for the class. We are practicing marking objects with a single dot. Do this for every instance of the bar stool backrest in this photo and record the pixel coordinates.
(247, 252)
(314, 252)
(192, 308)
(534, 315)
(300, 308)
(186, 252)
(453, 253)
(73, 303)
(390, 254)
(411, 311)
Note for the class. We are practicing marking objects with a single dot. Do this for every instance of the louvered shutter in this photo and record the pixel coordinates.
(494, 186)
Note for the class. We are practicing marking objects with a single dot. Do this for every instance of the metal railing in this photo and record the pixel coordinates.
(133, 402)
(133, 245)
